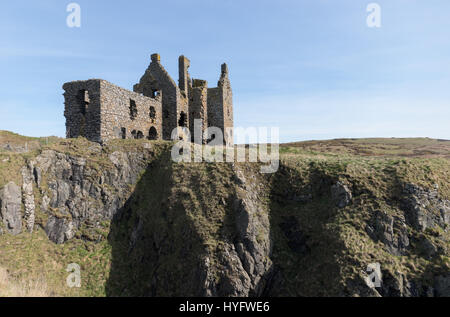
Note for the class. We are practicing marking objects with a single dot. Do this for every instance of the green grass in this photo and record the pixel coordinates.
(29, 257)
(412, 147)
(186, 212)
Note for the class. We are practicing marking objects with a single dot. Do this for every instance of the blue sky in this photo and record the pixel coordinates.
(311, 67)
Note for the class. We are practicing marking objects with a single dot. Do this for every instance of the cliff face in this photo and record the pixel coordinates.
(152, 227)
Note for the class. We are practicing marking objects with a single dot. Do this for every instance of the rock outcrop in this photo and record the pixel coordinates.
(71, 192)
(341, 195)
(29, 174)
(11, 208)
(228, 230)
(247, 263)
(391, 230)
(424, 208)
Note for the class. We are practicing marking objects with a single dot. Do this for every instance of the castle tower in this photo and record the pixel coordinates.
(184, 81)
(175, 104)
(156, 107)
(220, 106)
(198, 109)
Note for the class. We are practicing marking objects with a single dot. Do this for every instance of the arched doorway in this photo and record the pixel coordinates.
(152, 134)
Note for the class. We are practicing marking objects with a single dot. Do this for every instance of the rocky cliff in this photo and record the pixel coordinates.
(140, 224)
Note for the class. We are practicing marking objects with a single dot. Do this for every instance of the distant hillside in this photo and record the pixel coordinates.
(13, 142)
(406, 147)
(412, 147)
(139, 224)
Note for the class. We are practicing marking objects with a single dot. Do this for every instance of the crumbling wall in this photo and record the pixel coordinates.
(100, 111)
(227, 107)
(126, 114)
(220, 106)
(157, 78)
(82, 109)
(198, 109)
(184, 81)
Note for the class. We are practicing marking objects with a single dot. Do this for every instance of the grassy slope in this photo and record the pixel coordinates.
(373, 166)
(412, 147)
(375, 169)
(337, 238)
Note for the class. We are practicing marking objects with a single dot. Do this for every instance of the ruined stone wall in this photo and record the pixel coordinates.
(227, 95)
(184, 81)
(82, 109)
(100, 111)
(220, 106)
(126, 114)
(215, 114)
(198, 109)
(157, 78)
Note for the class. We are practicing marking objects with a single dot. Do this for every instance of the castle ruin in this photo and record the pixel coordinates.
(100, 111)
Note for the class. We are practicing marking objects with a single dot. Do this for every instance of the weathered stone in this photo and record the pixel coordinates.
(110, 112)
(341, 195)
(11, 208)
(247, 262)
(428, 248)
(442, 286)
(424, 208)
(100, 111)
(391, 231)
(59, 230)
(73, 192)
(28, 176)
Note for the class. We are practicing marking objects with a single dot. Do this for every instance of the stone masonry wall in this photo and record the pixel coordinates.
(157, 78)
(215, 102)
(227, 108)
(198, 109)
(82, 109)
(100, 111)
(220, 106)
(184, 81)
(126, 114)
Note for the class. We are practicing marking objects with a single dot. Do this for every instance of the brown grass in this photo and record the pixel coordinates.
(12, 287)
(378, 147)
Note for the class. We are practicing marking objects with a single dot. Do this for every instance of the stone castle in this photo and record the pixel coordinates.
(100, 111)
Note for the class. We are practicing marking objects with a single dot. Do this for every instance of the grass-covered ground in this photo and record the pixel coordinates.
(403, 147)
(337, 239)
(338, 246)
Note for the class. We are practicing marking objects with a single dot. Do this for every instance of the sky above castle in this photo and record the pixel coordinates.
(313, 68)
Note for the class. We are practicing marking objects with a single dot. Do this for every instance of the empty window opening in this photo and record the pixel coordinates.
(183, 120)
(139, 135)
(154, 93)
(133, 109)
(83, 101)
(152, 114)
(152, 134)
(134, 134)
(123, 133)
